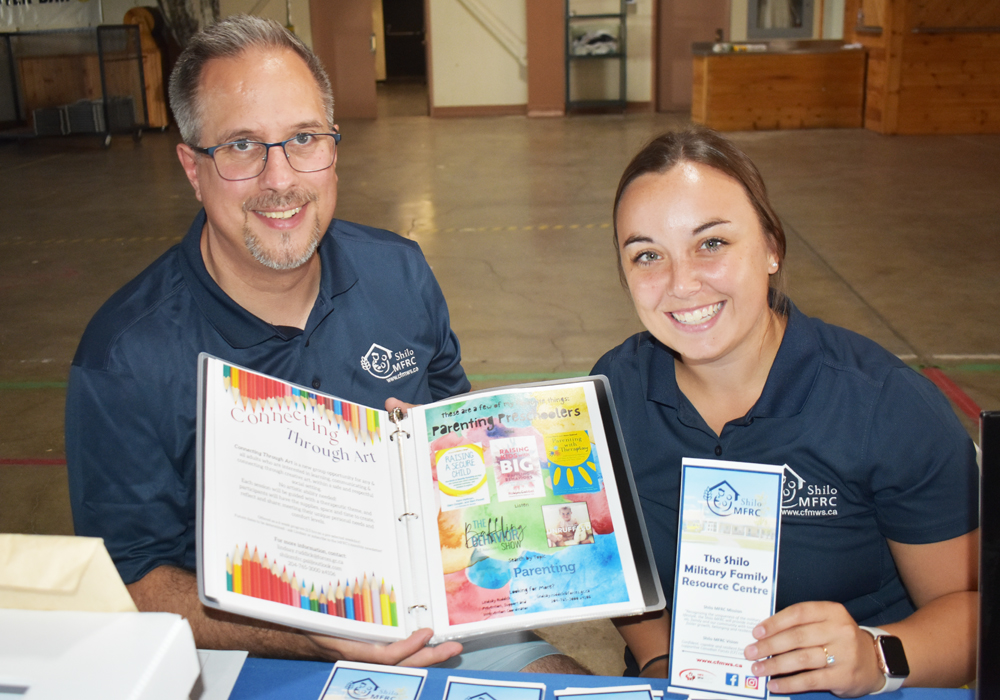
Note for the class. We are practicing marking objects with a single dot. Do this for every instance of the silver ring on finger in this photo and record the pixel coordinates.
(830, 658)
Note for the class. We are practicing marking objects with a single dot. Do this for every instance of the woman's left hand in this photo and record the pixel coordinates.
(815, 646)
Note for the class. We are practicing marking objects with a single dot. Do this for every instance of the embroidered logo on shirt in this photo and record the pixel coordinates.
(799, 497)
(383, 363)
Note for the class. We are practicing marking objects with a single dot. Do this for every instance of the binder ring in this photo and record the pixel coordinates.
(414, 607)
(407, 515)
(396, 415)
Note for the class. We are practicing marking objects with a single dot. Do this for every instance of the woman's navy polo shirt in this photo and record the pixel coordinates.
(873, 452)
(131, 401)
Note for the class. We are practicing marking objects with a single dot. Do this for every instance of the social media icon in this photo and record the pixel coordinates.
(733, 679)
(751, 682)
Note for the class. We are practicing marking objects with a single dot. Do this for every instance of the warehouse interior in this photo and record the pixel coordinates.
(890, 212)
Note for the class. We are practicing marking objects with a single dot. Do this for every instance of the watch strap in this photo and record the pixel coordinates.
(891, 684)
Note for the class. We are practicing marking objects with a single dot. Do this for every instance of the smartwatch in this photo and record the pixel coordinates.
(891, 659)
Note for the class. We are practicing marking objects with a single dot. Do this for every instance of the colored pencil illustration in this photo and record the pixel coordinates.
(359, 606)
(234, 377)
(237, 571)
(349, 602)
(265, 578)
(256, 393)
(384, 605)
(341, 610)
(370, 600)
(247, 586)
(255, 575)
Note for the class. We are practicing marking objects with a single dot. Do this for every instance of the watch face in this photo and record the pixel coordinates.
(894, 657)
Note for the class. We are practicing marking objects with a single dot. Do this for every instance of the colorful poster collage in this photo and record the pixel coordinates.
(524, 520)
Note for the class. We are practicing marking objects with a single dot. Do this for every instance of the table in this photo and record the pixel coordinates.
(275, 679)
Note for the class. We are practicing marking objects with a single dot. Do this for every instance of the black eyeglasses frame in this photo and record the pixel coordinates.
(210, 152)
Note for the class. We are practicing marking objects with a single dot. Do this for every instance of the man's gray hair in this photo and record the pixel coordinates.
(228, 39)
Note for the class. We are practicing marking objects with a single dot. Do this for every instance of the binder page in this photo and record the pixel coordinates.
(297, 525)
(520, 480)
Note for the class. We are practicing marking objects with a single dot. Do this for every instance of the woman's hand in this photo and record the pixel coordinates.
(412, 651)
(815, 646)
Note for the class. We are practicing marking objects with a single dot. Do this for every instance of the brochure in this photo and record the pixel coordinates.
(464, 688)
(350, 680)
(498, 510)
(727, 564)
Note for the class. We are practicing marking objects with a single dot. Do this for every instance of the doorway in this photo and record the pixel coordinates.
(678, 24)
(403, 91)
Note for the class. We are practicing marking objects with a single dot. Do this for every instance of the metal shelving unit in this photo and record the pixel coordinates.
(590, 64)
(73, 81)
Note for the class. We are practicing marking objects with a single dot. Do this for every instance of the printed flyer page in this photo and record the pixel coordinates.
(520, 481)
(297, 527)
(727, 561)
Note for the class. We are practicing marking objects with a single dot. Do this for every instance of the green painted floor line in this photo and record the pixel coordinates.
(32, 385)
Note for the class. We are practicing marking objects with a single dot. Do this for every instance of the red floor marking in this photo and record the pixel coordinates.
(33, 462)
(953, 392)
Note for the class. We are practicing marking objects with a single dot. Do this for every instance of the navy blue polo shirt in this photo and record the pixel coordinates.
(131, 401)
(873, 452)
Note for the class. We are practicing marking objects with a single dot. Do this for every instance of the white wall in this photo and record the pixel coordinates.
(276, 10)
(831, 13)
(470, 66)
(114, 10)
(640, 51)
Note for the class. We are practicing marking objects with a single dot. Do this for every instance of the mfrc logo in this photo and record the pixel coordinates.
(361, 689)
(695, 675)
(751, 682)
(721, 498)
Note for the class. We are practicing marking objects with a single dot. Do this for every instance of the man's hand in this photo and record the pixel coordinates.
(168, 589)
(412, 651)
(391, 404)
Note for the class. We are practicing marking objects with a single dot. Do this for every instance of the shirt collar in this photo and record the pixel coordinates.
(792, 376)
(239, 327)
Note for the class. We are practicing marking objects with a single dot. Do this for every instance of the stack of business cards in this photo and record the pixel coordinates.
(614, 692)
(357, 681)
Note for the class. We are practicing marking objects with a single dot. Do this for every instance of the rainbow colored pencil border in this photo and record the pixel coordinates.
(251, 576)
(256, 392)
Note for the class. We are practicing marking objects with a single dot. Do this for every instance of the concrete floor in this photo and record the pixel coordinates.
(895, 237)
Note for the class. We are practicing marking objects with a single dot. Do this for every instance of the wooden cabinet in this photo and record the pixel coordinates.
(815, 87)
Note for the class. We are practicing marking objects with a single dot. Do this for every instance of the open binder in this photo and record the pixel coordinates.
(498, 510)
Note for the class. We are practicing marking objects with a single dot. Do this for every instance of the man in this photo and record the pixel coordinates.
(267, 279)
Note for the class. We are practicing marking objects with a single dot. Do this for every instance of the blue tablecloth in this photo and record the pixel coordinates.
(274, 679)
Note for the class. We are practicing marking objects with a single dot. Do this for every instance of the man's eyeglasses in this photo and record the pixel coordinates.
(244, 160)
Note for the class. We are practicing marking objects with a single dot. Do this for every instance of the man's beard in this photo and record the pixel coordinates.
(284, 257)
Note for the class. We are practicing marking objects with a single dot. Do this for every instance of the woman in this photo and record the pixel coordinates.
(879, 524)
